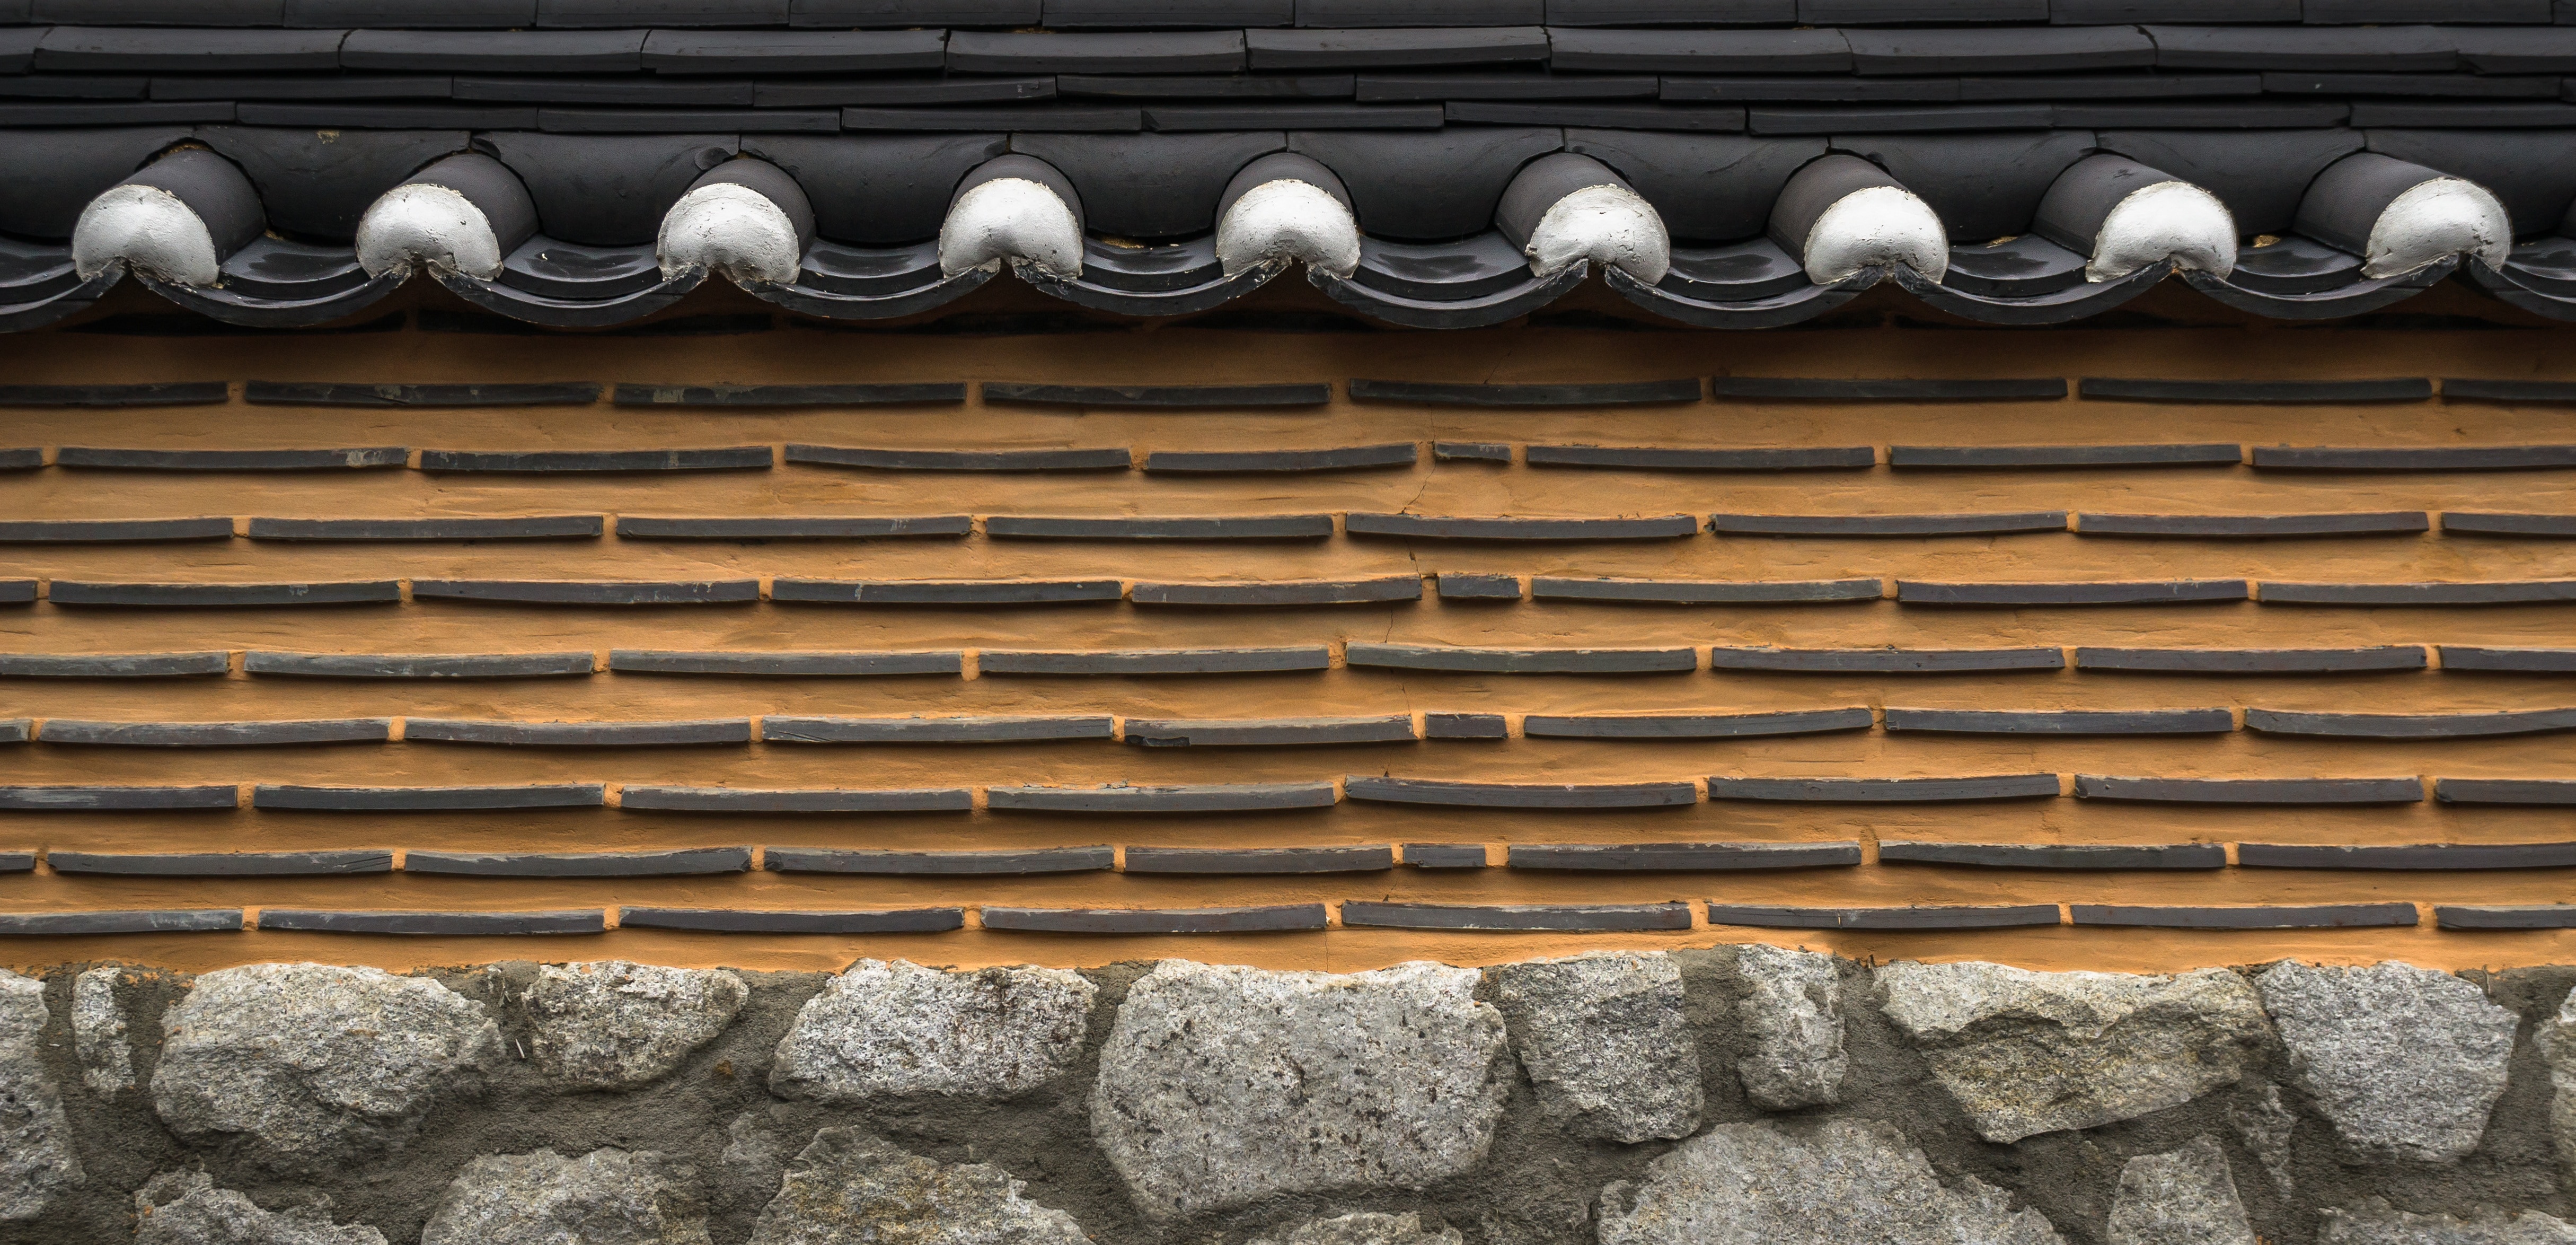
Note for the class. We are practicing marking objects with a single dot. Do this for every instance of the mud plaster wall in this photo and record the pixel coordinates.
(2178, 336)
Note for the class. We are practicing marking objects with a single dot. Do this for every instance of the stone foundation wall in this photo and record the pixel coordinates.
(1745, 1094)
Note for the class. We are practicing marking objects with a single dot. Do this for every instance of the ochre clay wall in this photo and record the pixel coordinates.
(789, 353)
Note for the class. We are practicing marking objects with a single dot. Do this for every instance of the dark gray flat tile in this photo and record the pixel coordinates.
(1886, 660)
(1442, 527)
(1518, 795)
(1114, 459)
(306, 393)
(1350, 458)
(1662, 458)
(173, 596)
(943, 730)
(1282, 593)
(2055, 855)
(1523, 660)
(802, 527)
(2407, 725)
(1695, 725)
(147, 921)
(2251, 790)
(578, 734)
(2524, 592)
(2492, 524)
(216, 734)
(1157, 661)
(749, 921)
(945, 592)
(231, 460)
(2414, 458)
(165, 393)
(816, 800)
(1829, 389)
(587, 592)
(2323, 916)
(2482, 916)
(2410, 856)
(1248, 797)
(64, 799)
(1267, 732)
(1255, 860)
(1682, 857)
(1471, 451)
(703, 860)
(113, 665)
(2504, 790)
(1445, 855)
(1515, 917)
(427, 799)
(436, 924)
(419, 665)
(1464, 726)
(1157, 920)
(783, 664)
(1887, 524)
(2063, 721)
(535, 527)
(2252, 660)
(112, 531)
(1998, 916)
(1886, 790)
(1470, 587)
(2153, 592)
(731, 458)
(2270, 392)
(941, 864)
(1157, 396)
(790, 395)
(1613, 393)
(1987, 456)
(221, 864)
(2386, 523)
(1242, 527)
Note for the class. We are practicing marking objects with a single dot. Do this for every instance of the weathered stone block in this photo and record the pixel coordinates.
(2267, 1126)
(613, 1025)
(2181, 1197)
(1604, 1039)
(2405, 1062)
(2026, 1052)
(98, 1033)
(1840, 1182)
(314, 1061)
(185, 1208)
(605, 1197)
(1793, 1012)
(36, 1159)
(892, 1027)
(2375, 1222)
(1365, 1228)
(1221, 1085)
(849, 1187)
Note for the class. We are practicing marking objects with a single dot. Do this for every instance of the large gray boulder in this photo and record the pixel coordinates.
(1604, 1040)
(848, 1187)
(615, 1025)
(2026, 1052)
(2374, 1222)
(1365, 1228)
(2181, 1197)
(2405, 1062)
(1841, 1182)
(98, 1033)
(185, 1208)
(1220, 1086)
(315, 1062)
(889, 1028)
(605, 1197)
(1792, 1012)
(36, 1159)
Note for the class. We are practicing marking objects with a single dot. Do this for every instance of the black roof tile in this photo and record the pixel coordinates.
(1168, 14)
(792, 93)
(1135, 52)
(2055, 855)
(470, 14)
(1926, 120)
(1703, 592)
(1394, 49)
(1420, 12)
(436, 924)
(1455, 794)
(1517, 917)
(794, 51)
(1961, 916)
(1259, 920)
(1523, 660)
(149, 921)
(114, 49)
(593, 13)
(1671, 12)
(946, 592)
(1695, 725)
(428, 799)
(2380, 49)
(1523, 85)
(549, 51)
(112, 665)
(1886, 790)
(804, 800)
(2323, 916)
(2042, 49)
(1886, 660)
(941, 864)
(2518, 660)
(1700, 51)
(749, 921)
(1259, 860)
(2253, 660)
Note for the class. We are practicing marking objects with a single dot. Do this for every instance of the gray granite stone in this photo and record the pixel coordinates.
(2266, 1125)
(849, 1187)
(2405, 1062)
(98, 1033)
(36, 1158)
(185, 1208)
(2556, 1038)
(1793, 1014)
(313, 1062)
(615, 1025)
(1221, 1085)
(2026, 1052)
(1604, 1039)
(2374, 1222)
(605, 1197)
(2181, 1197)
(1840, 1182)
(892, 1027)
(1365, 1228)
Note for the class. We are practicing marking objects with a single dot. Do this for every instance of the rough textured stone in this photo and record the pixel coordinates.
(1843, 1181)
(892, 1027)
(2182, 1197)
(2556, 1038)
(1604, 1039)
(2375, 1222)
(315, 1061)
(2026, 1052)
(1794, 1017)
(185, 1208)
(1221, 1085)
(605, 1197)
(36, 1159)
(849, 1187)
(1365, 1228)
(613, 1025)
(98, 1033)
(2405, 1062)
(2267, 1125)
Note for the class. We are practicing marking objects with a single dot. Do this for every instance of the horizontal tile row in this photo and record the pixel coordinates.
(1268, 527)
(1123, 798)
(1284, 917)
